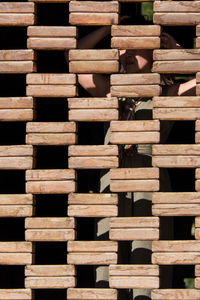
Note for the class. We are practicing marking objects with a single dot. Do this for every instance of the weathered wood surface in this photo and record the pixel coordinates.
(49, 223)
(176, 258)
(176, 149)
(88, 293)
(177, 6)
(175, 294)
(135, 42)
(93, 55)
(78, 18)
(18, 150)
(16, 102)
(15, 247)
(16, 163)
(16, 67)
(62, 282)
(176, 161)
(135, 79)
(93, 162)
(141, 282)
(135, 222)
(95, 211)
(185, 113)
(17, 19)
(94, 67)
(49, 270)
(135, 30)
(51, 127)
(135, 90)
(176, 54)
(176, 197)
(197, 270)
(49, 1)
(178, 102)
(135, 185)
(6, 7)
(48, 79)
(51, 235)
(16, 294)
(17, 55)
(197, 222)
(177, 66)
(176, 18)
(46, 43)
(92, 258)
(133, 270)
(50, 175)
(15, 258)
(92, 103)
(93, 246)
(76, 198)
(175, 246)
(16, 115)
(51, 90)
(131, 137)
(51, 138)
(177, 209)
(50, 187)
(94, 6)
(197, 125)
(106, 150)
(15, 211)
(93, 115)
(134, 173)
(52, 31)
(135, 126)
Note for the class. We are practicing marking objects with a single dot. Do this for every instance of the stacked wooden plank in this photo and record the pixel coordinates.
(46, 182)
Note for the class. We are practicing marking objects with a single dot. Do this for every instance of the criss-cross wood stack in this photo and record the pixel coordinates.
(86, 157)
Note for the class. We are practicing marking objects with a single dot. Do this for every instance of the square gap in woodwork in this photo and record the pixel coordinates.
(85, 276)
(181, 180)
(12, 133)
(11, 277)
(52, 14)
(50, 294)
(85, 229)
(13, 85)
(105, 43)
(177, 132)
(95, 130)
(12, 182)
(13, 37)
(50, 253)
(51, 109)
(89, 180)
(183, 228)
(181, 274)
(51, 62)
(12, 229)
(124, 250)
(51, 157)
(184, 35)
(132, 9)
(50, 205)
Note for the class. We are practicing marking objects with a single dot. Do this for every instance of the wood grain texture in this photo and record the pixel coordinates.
(176, 19)
(134, 125)
(94, 211)
(51, 31)
(51, 127)
(137, 185)
(6, 7)
(51, 235)
(15, 55)
(93, 162)
(176, 54)
(16, 115)
(92, 150)
(93, 6)
(50, 223)
(18, 150)
(177, 209)
(176, 258)
(175, 246)
(90, 293)
(93, 18)
(15, 258)
(52, 43)
(176, 113)
(135, 30)
(141, 282)
(135, 90)
(135, 42)
(17, 19)
(94, 67)
(92, 246)
(16, 102)
(142, 137)
(135, 79)
(176, 197)
(176, 161)
(51, 139)
(176, 149)
(134, 173)
(133, 270)
(16, 163)
(177, 6)
(50, 187)
(135, 222)
(175, 294)
(93, 115)
(19, 67)
(16, 294)
(77, 198)
(176, 66)
(137, 234)
(15, 211)
(45, 175)
(183, 101)
(49, 282)
(48, 78)
(91, 258)
(93, 55)
(49, 270)
(15, 247)
(51, 90)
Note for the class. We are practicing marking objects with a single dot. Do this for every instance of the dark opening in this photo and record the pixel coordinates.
(51, 62)
(53, 14)
(182, 132)
(12, 182)
(50, 294)
(13, 37)
(51, 109)
(51, 157)
(85, 229)
(51, 205)
(13, 85)
(95, 136)
(50, 253)
(11, 277)
(183, 228)
(12, 229)
(83, 280)
(181, 275)
(12, 133)
(184, 35)
(88, 180)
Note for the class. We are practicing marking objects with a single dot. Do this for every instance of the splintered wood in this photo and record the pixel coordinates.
(77, 237)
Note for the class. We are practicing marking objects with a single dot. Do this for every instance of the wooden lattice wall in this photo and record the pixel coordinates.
(23, 157)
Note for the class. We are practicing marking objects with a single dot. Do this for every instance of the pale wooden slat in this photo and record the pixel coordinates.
(135, 42)
(18, 150)
(16, 102)
(49, 270)
(6, 7)
(175, 246)
(134, 173)
(133, 270)
(197, 222)
(49, 222)
(176, 258)
(176, 161)
(47, 78)
(92, 246)
(176, 66)
(135, 79)
(98, 66)
(91, 258)
(146, 185)
(129, 282)
(177, 6)
(15, 247)
(176, 209)
(12, 55)
(142, 137)
(93, 55)
(173, 198)
(13, 67)
(93, 6)
(197, 270)
(49, 282)
(50, 187)
(16, 115)
(52, 43)
(92, 103)
(135, 30)
(176, 113)
(135, 90)
(17, 19)
(129, 234)
(88, 293)
(50, 235)
(93, 18)
(197, 173)
(50, 127)
(51, 138)
(176, 54)
(135, 125)
(77, 198)
(93, 115)
(55, 174)
(52, 31)
(176, 19)
(15, 258)
(16, 163)
(15, 211)
(16, 294)
(176, 149)
(98, 150)
(16, 199)
(136, 222)
(175, 294)
(95, 211)
(197, 185)
(197, 137)
(51, 90)
(93, 162)
(197, 125)
(181, 101)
